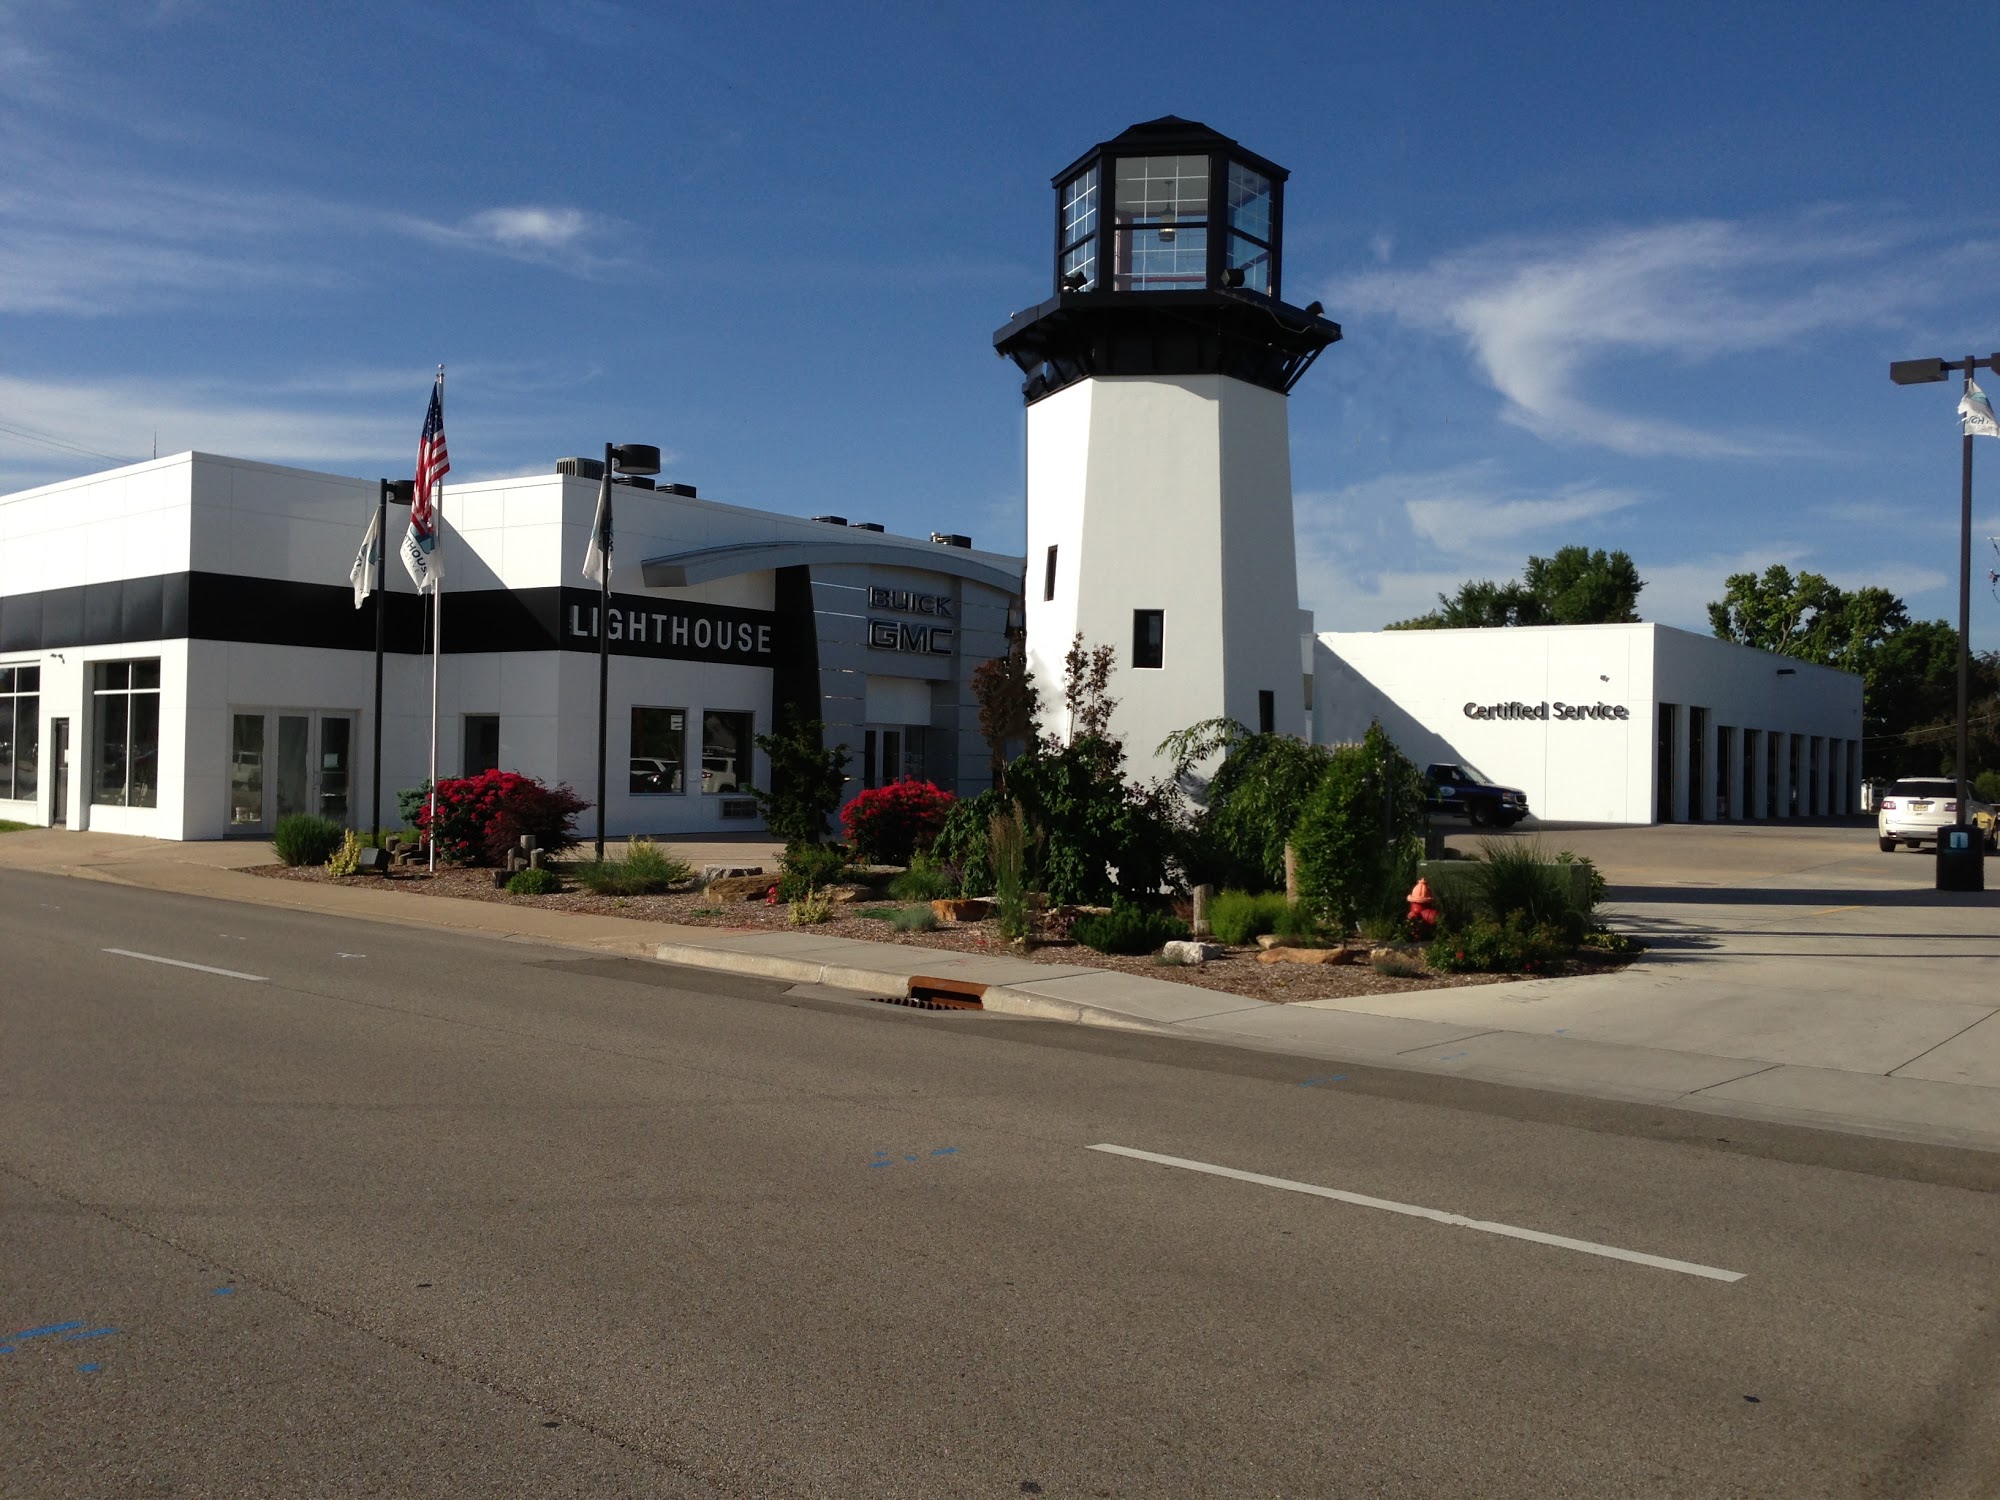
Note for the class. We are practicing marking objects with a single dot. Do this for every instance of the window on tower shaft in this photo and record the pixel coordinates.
(1149, 637)
(1049, 577)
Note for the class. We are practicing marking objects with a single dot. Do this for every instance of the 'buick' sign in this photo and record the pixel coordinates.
(914, 636)
(1514, 709)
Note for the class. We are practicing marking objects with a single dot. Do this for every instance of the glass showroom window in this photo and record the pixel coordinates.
(659, 750)
(725, 752)
(20, 730)
(126, 711)
(1160, 223)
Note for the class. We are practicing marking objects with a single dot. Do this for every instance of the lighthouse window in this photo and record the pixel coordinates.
(1249, 200)
(1079, 226)
(1149, 637)
(1161, 216)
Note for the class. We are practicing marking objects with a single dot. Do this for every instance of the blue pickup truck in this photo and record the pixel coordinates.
(1464, 791)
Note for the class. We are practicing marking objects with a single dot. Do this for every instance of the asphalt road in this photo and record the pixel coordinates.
(382, 1211)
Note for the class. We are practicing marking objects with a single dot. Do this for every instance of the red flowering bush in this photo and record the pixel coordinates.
(887, 824)
(479, 818)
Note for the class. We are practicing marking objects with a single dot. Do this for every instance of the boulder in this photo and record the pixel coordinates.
(729, 872)
(962, 909)
(1309, 955)
(753, 887)
(1191, 952)
(849, 895)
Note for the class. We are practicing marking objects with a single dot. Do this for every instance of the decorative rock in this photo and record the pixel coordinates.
(967, 909)
(1268, 940)
(1198, 919)
(729, 872)
(849, 895)
(1308, 955)
(535, 858)
(1191, 952)
(751, 887)
(500, 879)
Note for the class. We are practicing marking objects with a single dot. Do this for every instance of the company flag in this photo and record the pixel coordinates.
(420, 557)
(1977, 412)
(362, 574)
(597, 558)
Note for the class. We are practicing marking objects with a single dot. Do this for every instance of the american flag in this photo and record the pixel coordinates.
(433, 462)
(420, 556)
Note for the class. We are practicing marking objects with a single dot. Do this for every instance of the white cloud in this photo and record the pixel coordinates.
(1476, 525)
(565, 237)
(1539, 314)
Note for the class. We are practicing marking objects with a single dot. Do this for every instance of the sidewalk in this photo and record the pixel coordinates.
(1829, 986)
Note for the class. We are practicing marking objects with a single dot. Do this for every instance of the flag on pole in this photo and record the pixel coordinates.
(1976, 412)
(597, 559)
(362, 574)
(425, 567)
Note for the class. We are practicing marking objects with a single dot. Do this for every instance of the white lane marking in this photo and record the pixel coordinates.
(350, 955)
(1438, 1215)
(154, 958)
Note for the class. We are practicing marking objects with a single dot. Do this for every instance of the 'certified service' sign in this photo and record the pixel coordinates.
(1546, 711)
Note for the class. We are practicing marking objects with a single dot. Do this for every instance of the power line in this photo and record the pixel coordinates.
(48, 440)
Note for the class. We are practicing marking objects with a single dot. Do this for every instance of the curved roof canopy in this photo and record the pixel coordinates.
(680, 569)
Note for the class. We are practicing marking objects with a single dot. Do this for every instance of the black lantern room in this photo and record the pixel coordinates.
(1169, 260)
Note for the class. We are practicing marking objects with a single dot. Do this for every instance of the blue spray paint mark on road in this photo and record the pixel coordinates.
(945, 1151)
(90, 1369)
(35, 1333)
(1316, 1081)
(1453, 1056)
(95, 1333)
(881, 1164)
(224, 1291)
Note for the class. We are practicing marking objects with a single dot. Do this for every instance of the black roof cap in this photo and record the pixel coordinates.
(1172, 133)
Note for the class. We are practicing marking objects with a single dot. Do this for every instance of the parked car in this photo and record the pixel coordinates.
(653, 774)
(718, 773)
(1465, 790)
(1912, 811)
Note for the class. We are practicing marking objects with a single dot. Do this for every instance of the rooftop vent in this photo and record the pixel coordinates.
(866, 525)
(831, 520)
(581, 468)
(950, 539)
(637, 481)
(685, 491)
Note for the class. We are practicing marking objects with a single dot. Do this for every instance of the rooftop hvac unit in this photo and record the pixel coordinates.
(581, 468)
(950, 539)
(831, 520)
(866, 525)
(637, 481)
(685, 491)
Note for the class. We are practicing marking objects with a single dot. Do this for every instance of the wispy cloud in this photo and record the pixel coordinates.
(1539, 313)
(570, 239)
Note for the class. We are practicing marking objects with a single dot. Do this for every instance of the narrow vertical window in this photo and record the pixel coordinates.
(1267, 711)
(1149, 637)
(1049, 577)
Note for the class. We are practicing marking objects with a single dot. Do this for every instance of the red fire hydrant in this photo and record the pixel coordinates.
(1423, 905)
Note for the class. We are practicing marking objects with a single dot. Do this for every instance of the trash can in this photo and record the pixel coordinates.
(1961, 858)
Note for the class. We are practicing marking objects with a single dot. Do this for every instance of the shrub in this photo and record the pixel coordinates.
(1237, 917)
(480, 818)
(1517, 878)
(811, 909)
(806, 781)
(1252, 803)
(1986, 786)
(1361, 835)
(1127, 929)
(533, 883)
(964, 843)
(1008, 839)
(1490, 947)
(807, 866)
(925, 880)
(306, 839)
(1298, 925)
(646, 870)
(1604, 940)
(913, 919)
(1089, 821)
(345, 860)
(888, 824)
(410, 804)
(1395, 966)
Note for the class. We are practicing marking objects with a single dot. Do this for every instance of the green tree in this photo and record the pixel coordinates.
(806, 781)
(1360, 835)
(1250, 805)
(1575, 587)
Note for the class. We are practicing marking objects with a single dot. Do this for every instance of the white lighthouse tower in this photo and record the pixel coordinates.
(1159, 457)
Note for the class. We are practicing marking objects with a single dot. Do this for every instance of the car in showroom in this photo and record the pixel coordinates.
(1465, 790)
(1911, 811)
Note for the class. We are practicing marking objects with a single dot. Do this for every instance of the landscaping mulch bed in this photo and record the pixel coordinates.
(1238, 973)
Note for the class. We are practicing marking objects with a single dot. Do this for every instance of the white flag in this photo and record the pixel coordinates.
(597, 559)
(362, 574)
(1977, 412)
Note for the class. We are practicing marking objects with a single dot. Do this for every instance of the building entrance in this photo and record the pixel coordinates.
(288, 761)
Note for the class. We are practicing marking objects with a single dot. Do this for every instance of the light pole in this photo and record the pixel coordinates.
(403, 492)
(619, 458)
(1961, 862)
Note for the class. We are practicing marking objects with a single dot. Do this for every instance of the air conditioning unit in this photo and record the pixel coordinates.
(865, 525)
(581, 468)
(950, 539)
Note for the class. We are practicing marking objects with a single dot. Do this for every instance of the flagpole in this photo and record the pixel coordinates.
(603, 655)
(437, 643)
(381, 616)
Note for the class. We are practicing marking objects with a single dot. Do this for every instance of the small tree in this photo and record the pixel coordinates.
(806, 781)
(1361, 834)
(1250, 805)
(1009, 706)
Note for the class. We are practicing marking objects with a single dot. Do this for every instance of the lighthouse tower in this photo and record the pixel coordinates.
(1159, 458)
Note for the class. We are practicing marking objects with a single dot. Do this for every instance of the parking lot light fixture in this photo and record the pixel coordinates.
(1958, 869)
(619, 458)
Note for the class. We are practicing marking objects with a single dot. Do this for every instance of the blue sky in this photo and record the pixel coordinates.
(1626, 276)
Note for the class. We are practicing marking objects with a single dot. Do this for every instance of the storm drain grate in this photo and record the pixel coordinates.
(926, 993)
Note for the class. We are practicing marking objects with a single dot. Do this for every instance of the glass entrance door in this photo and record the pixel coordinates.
(285, 763)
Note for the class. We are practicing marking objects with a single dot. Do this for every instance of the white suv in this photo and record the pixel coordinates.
(1912, 811)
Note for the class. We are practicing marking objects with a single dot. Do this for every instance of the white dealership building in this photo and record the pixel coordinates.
(181, 654)
(1604, 723)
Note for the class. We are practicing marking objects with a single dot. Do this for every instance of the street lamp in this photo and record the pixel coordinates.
(619, 458)
(1960, 851)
